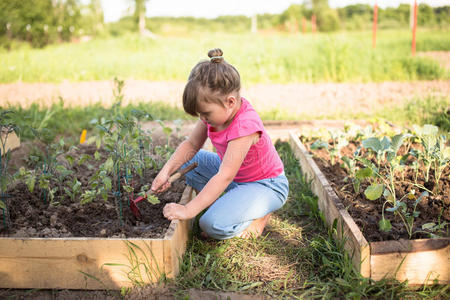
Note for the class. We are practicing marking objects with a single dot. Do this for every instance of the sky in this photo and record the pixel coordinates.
(115, 9)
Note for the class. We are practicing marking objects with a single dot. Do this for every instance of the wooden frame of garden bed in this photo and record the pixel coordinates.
(418, 261)
(92, 263)
(12, 142)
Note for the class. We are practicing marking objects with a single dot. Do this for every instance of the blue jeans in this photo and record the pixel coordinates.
(241, 203)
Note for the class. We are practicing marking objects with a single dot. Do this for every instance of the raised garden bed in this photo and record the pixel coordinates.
(66, 221)
(420, 261)
(92, 263)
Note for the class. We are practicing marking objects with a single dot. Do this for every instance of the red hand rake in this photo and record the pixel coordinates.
(133, 204)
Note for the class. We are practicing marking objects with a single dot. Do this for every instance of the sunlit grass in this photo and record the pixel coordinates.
(278, 58)
(70, 121)
(297, 258)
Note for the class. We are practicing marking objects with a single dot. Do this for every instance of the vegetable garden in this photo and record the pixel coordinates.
(69, 190)
(93, 181)
(397, 187)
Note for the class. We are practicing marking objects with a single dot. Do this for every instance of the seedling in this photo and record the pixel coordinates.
(123, 139)
(149, 194)
(406, 216)
(7, 126)
(428, 135)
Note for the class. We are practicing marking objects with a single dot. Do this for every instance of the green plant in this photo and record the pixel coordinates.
(7, 127)
(428, 135)
(142, 267)
(49, 171)
(337, 142)
(441, 158)
(407, 217)
(434, 229)
(386, 152)
(125, 142)
(73, 189)
(435, 154)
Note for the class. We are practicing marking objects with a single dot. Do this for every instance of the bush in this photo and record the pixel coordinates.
(422, 68)
(39, 22)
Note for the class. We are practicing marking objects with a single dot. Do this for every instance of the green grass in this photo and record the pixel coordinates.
(297, 258)
(420, 111)
(70, 121)
(278, 58)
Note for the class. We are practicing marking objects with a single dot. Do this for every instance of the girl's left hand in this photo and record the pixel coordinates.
(174, 211)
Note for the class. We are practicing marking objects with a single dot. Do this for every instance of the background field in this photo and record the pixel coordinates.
(262, 58)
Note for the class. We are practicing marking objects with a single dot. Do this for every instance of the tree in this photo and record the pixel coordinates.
(98, 14)
(291, 17)
(39, 22)
(327, 18)
(425, 15)
(139, 15)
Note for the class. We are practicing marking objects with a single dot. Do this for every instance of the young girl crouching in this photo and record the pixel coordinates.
(241, 184)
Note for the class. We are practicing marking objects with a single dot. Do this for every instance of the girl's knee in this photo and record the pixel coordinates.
(215, 229)
(206, 224)
(211, 228)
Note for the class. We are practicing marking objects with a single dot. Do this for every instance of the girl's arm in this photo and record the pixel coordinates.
(234, 156)
(184, 152)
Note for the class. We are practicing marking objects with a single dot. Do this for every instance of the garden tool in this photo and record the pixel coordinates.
(133, 204)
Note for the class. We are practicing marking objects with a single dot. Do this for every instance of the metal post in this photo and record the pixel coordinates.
(413, 44)
(374, 26)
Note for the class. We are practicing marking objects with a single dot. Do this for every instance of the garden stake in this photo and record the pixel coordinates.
(118, 200)
(45, 191)
(5, 211)
(133, 205)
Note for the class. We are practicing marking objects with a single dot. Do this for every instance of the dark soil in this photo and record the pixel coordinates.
(367, 213)
(32, 216)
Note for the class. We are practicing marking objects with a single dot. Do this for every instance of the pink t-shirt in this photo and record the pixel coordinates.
(262, 160)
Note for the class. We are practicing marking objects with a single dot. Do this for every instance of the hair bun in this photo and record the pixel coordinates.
(216, 55)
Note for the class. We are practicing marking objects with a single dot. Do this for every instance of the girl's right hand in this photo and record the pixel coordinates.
(160, 183)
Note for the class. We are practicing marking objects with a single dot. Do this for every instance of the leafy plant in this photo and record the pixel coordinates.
(441, 159)
(338, 141)
(386, 150)
(124, 140)
(7, 127)
(73, 189)
(428, 135)
(50, 173)
(407, 217)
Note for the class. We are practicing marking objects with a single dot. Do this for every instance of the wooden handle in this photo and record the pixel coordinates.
(182, 172)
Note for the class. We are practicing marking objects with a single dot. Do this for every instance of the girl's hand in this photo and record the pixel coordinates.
(160, 183)
(174, 211)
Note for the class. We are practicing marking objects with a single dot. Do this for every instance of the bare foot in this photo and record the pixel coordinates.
(256, 227)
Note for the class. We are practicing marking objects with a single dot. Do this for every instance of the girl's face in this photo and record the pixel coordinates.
(217, 115)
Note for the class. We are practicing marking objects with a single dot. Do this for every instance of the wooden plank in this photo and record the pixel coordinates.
(418, 261)
(176, 239)
(60, 263)
(86, 263)
(333, 209)
(12, 141)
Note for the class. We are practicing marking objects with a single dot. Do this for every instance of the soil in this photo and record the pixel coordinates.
(32, 215)
(367, 213)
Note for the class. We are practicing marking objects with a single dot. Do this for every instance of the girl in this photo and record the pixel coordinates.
(246, 167)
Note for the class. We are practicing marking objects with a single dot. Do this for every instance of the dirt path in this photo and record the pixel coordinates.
(294, 99)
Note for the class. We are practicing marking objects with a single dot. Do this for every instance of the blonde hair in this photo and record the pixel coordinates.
(209, 81)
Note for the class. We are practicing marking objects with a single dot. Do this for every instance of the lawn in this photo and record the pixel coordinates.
(275, 58)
